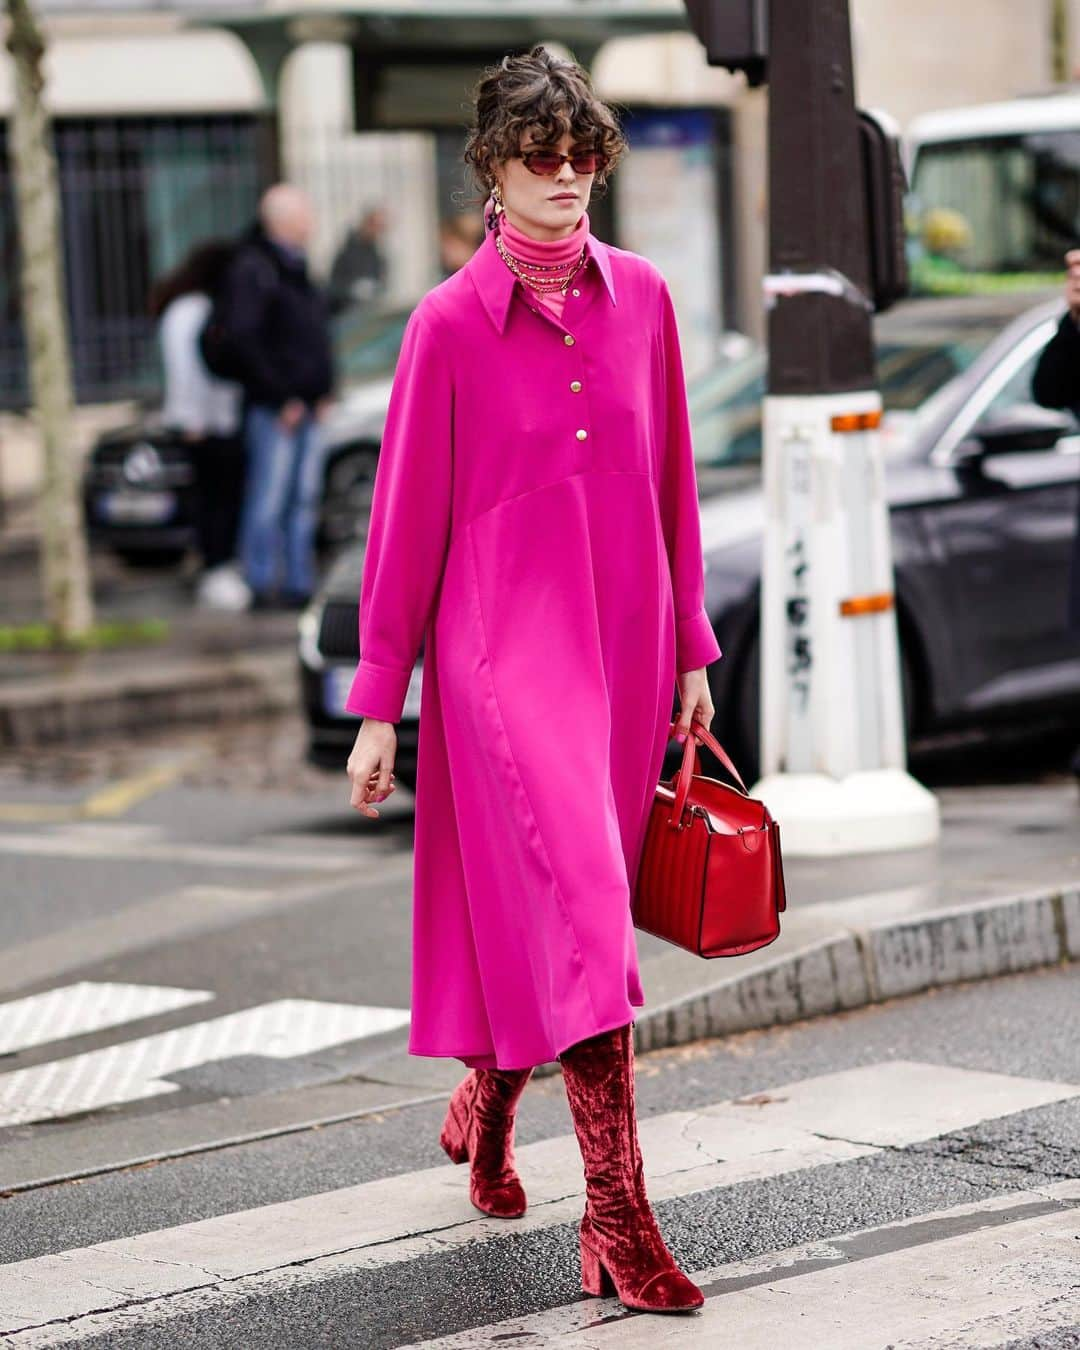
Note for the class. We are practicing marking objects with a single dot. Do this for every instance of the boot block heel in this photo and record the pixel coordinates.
(452, 1140)
(595, 1279)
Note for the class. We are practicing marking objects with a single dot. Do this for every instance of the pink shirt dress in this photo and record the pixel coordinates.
(535, 531)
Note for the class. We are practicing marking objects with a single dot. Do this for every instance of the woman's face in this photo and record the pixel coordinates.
(546, 206)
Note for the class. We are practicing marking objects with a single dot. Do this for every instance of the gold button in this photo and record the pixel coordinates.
(581, 434)
(575, 291)
(575, 385)
(568, 340)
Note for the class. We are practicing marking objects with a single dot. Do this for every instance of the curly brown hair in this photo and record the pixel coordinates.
(546, 94)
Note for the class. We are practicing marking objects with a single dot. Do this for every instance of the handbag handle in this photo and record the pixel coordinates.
(699, 732)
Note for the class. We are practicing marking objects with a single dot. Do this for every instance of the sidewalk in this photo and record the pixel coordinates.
(213, 666)
(999, 893)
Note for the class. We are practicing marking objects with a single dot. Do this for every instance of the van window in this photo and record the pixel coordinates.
(994, 214)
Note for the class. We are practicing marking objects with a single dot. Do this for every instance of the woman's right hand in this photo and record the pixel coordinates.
(371, 764)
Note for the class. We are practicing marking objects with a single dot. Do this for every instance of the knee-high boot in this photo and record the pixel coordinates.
(622, 1250)
(479, 1127)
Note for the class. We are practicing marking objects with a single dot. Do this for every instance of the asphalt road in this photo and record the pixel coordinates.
(251, 933)
(1020, 1029)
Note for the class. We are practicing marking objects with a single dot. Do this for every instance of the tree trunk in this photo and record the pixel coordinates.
(64, 563)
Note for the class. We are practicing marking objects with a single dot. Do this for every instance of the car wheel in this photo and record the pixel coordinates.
(156, 558)
(908, 699)
(746, 711)
(347, 493)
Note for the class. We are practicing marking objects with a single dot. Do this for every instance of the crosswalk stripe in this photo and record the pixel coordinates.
(77, 1009)
(135, 1070)
(978, 1274)
(832, 1118)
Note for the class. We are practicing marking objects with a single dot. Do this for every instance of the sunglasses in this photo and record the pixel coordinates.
(548, 162)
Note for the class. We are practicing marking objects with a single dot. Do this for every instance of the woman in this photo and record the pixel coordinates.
(535, 522)
(205, 411)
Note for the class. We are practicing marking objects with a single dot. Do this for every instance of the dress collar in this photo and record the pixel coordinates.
(495, 282)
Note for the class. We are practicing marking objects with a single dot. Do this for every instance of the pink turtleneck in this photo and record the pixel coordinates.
(526, 249)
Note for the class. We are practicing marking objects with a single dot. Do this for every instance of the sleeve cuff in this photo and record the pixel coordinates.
(695, 643)
(378, 692)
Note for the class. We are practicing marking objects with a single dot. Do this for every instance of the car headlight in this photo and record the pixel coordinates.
(308, 626)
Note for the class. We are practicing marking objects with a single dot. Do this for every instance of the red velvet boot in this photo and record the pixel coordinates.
(622, 1250)
(479, 1126)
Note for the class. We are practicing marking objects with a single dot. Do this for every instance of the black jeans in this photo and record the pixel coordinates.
(219, 493)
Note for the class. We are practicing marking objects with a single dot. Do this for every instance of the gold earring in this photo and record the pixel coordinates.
(496, 193)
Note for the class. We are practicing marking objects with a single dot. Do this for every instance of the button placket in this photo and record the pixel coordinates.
(576, 386)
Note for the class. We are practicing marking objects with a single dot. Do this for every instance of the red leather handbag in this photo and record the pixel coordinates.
(710, 878)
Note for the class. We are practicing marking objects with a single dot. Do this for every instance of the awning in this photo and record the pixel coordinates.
(411, 33)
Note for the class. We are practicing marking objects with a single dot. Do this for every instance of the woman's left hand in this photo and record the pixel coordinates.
(696, 702)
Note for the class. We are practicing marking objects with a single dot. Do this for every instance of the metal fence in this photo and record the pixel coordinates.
(136, 193)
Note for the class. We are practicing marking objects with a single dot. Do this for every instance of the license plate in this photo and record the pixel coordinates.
(337, 682)
(136, 508)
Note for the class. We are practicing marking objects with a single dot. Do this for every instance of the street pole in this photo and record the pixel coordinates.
(832, 739)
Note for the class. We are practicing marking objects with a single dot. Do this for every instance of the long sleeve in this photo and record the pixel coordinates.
(188, 393)
(1056, 382)
(695, 641)
(410, 520)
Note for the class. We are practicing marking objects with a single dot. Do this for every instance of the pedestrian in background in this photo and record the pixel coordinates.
(278, 326)
(205, 411)
(358, 272)
(535, 521)
(1056, 384)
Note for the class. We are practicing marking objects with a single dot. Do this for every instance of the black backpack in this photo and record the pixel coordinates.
(220, 350)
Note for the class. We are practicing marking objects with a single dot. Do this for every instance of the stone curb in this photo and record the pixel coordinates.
(53, 711)
(878, 962)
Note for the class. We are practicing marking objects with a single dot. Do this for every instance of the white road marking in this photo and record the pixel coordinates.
(121, 843)
(979, 1275)
(132, 1071)
(833, 1118)
(77, 1009)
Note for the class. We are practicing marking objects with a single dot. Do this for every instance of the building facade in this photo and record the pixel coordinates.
(166, 129)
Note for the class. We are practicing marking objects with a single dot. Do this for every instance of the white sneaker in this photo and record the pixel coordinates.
(223, 588)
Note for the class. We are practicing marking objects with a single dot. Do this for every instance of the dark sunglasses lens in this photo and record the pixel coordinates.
(541, 162)
(588, 162)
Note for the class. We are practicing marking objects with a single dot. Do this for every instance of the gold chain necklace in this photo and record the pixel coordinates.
(542, 285)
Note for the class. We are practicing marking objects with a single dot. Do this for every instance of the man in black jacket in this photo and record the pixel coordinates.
(1056, 384)
(279, 327)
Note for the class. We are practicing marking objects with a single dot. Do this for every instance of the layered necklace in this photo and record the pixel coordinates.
(541, 277)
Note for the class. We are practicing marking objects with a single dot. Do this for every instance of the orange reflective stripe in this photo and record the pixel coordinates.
(866, 604)
(864, 421)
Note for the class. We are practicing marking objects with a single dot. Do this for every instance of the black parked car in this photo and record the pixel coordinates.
(139, 481)
(983, 490)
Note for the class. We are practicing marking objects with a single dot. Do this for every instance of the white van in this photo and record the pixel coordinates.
(995, 195)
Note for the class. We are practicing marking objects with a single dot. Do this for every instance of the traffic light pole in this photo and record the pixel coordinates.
(832, 737)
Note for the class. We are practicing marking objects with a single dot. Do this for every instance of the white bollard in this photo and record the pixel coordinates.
(832, 743)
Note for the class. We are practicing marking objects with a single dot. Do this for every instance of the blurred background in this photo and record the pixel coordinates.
(169, 120)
